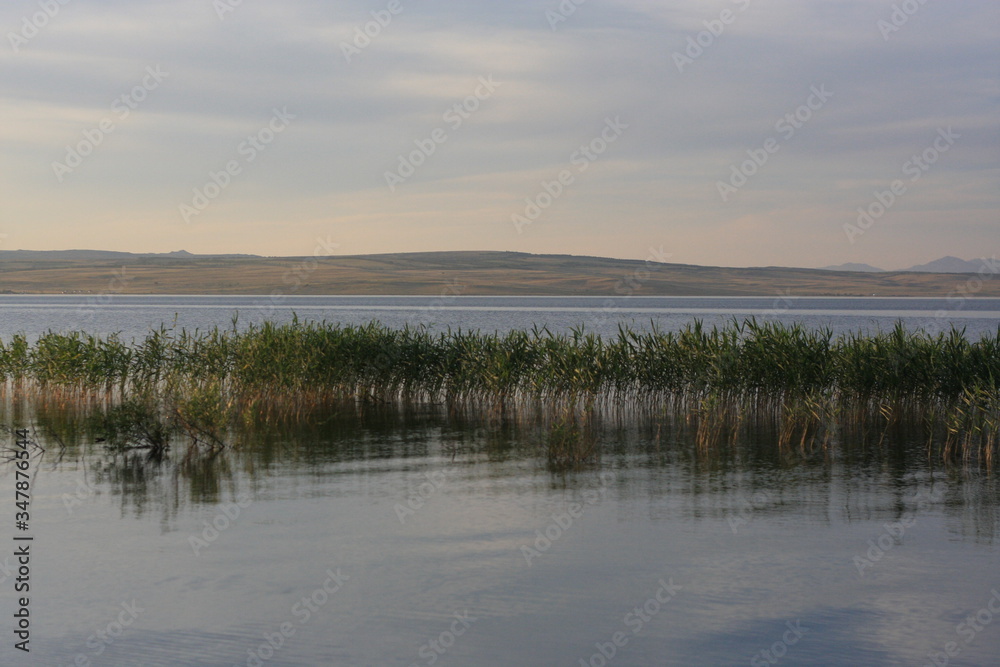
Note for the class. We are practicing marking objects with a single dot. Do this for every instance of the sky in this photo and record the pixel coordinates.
(729, 133)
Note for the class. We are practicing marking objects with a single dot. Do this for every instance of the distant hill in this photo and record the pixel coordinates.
(853, 266)
(949, 265)
(944, 265)
(440, 274)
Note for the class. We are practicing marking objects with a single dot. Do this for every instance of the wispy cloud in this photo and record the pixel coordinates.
(757, 62)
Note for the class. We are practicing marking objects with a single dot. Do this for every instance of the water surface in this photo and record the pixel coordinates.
(384, 536)
(134, 316)
(449, 542)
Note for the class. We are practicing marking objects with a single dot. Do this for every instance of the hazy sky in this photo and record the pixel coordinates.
(722, 132)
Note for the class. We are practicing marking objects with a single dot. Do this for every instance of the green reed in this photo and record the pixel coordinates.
(724, 378)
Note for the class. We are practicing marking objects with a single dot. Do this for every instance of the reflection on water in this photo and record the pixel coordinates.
(870, 481)
(385, 536)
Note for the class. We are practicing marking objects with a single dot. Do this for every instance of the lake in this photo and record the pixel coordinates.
(135, 315)
(377, 535)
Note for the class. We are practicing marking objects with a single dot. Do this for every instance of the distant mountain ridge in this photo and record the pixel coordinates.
(853, 266)
(950, 265)
(947, 264)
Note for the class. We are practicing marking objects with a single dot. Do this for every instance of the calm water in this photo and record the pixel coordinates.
(874, 555)
(448, 542)
(136, 315)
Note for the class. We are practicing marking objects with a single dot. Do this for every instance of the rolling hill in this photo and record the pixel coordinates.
(433, 273)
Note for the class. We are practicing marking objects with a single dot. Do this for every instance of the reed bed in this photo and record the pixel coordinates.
(723, 378)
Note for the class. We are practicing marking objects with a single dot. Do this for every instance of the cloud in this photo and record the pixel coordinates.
(353, 121)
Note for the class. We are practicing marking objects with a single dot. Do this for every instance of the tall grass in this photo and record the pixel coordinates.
(724, 378)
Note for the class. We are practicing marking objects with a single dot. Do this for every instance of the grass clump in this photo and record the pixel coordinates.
(724, 378)
(134, 424)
